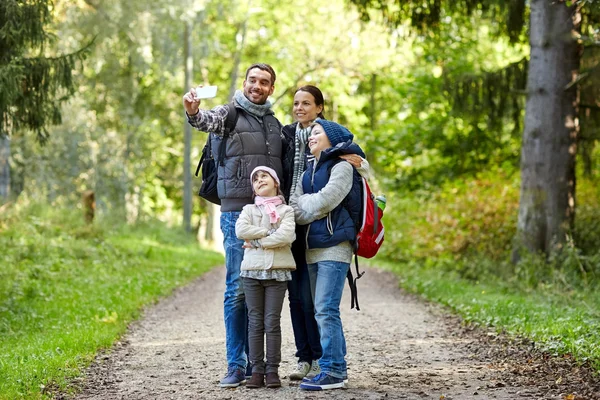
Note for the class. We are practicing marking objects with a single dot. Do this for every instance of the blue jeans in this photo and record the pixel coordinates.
(235, 312)
(327, 279)
(302, 309)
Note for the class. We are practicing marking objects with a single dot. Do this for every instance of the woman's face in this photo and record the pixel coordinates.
(318, 140)
(305, 109)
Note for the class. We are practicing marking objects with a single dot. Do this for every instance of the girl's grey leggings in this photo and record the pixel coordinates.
(264, 299)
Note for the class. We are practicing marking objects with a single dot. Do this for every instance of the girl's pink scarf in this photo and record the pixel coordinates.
(270, 204)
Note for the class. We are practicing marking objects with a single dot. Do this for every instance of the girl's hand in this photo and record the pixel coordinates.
(251, 244)
(353, 159)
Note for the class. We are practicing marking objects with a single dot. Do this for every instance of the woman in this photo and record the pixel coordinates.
(308, 106)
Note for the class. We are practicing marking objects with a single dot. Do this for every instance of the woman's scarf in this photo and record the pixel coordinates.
(302, 135)
(269, 204)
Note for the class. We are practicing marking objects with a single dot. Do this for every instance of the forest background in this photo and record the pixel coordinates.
(437, 103)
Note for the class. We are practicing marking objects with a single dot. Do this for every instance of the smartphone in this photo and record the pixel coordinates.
(205, 92)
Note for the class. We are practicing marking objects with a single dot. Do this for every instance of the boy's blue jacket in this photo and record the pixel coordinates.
(340, 224)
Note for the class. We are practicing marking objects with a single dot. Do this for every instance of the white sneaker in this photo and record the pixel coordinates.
(314, 369)
(300, 371)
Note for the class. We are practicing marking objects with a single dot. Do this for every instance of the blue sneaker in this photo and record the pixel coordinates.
(234, 378)
(309, 379)
(323, 382)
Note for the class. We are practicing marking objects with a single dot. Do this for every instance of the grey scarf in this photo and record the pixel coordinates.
(258, 110)
(301, 140)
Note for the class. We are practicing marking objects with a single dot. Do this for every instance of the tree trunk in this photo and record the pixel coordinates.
(4, 168)
(547, 203)
(240, 39)
(372, 113)
(187, 148)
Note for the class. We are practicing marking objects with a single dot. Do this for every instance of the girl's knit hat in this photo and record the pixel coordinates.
(268, 170)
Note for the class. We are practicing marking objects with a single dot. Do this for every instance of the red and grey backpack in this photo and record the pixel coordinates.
(371, 233)
(369, 227)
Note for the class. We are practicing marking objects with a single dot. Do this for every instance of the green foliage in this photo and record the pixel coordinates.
(421, 139)
(475, 219)
(33, 84)
(586, 233)
(456, 220)
(68, 290)
(426, 16)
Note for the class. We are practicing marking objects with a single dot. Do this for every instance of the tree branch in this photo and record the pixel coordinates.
(298, 79)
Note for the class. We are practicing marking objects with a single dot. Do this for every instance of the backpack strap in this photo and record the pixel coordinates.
(352, 284)
(205, 153)
(230, 123)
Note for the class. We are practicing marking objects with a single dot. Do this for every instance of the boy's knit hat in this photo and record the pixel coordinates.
(335, 132)
(268, 170)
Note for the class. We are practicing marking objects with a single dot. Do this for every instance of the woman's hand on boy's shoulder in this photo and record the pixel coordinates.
(353, 159)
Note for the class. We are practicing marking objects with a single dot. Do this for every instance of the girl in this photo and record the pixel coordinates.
(268, 229)
(317, 203)
(308, 105)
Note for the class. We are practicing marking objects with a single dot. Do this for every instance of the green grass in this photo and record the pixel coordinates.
(68, 290)
(558, 321)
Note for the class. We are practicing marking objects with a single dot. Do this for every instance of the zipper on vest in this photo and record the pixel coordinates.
(329, 224)
(306, 236)
(265, 130)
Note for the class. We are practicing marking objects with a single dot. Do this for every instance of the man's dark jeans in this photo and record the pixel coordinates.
(306, 330)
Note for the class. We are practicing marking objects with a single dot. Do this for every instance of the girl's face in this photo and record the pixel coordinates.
(305, 109)
(264, 185)
(318, 140)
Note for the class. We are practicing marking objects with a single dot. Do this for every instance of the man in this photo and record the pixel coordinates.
(255, 141)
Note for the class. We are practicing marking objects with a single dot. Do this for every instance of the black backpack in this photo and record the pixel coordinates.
(208, 188)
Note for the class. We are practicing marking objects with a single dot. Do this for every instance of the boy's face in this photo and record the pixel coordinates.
(318, 141)
(258, 86)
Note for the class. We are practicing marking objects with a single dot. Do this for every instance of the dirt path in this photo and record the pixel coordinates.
(398, 348)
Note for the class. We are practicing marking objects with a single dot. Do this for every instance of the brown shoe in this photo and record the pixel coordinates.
(273, 380)
(257, 381)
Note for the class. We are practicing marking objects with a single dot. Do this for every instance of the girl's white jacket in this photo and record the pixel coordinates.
(275, 251)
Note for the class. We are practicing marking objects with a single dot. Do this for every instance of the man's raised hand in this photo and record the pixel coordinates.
(190, 103)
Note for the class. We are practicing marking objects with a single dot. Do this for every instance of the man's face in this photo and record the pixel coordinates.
(257, 86)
